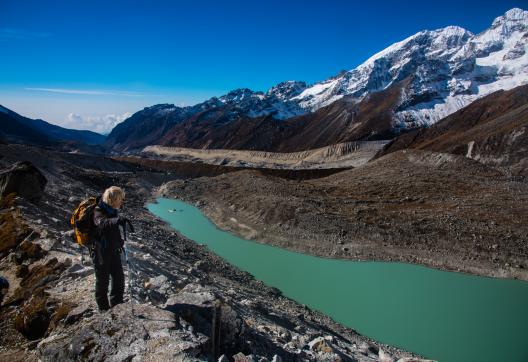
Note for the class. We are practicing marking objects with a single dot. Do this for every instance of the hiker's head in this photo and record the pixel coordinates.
(114, 196)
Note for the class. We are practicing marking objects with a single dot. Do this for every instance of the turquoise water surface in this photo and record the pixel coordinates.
(441, 315)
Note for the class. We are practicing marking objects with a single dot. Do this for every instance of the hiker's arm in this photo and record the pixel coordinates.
(104, 223)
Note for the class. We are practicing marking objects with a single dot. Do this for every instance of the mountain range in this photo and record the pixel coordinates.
(15, 128)
(411, 84)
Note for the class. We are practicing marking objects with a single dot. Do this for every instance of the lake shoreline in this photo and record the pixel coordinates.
(229, 215)
(435, 294)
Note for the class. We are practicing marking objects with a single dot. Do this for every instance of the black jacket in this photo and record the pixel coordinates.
(107, 222)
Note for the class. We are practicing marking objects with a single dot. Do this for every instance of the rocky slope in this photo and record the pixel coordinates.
(176, 285)
(440, 210)
(422, 79)
(492, 130)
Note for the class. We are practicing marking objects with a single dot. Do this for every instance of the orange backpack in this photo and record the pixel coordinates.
(82, 221)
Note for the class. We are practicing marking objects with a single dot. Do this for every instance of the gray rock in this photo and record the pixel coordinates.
(74, 268)
(367, 348)
(320, 344)
(77, 313)
(202, 265)
(276, 358)
(241, 357)
(81, 273)
(160, 283)
(126, 332)
(192, 294)
(385, 357)
(196, 305)
(24, 179)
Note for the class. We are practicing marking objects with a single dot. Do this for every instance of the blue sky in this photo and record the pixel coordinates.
(89, 64)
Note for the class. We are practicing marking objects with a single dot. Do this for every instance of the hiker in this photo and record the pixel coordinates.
(106, 253)
(4, 286)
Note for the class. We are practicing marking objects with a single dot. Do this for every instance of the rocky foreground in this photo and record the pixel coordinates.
(184, 303)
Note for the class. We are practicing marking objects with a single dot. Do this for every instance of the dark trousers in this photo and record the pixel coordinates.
(110, 269)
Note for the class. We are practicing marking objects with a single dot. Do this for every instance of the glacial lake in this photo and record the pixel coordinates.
(441, 315)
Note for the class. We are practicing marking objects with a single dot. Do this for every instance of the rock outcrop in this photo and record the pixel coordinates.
(24, 179)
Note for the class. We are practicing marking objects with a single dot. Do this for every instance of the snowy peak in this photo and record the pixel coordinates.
(512, 19)
(447, 69)
(286, 90)
(434, 73)
(238, 95)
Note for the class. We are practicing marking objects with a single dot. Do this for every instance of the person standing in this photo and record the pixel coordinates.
(106, 253)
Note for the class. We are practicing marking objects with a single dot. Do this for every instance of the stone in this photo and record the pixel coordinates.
(241, 357)
(276, 358)
(159, 283)
(81, 273)
(321, 345)
(24, 179)
(74, 268)
(192, 294)
(125, 332)
(77, 313)
(367, 348)
(196, 305)
(202, 265)
(22, 271)
(28, 251)
(384, 356)
(33, 319)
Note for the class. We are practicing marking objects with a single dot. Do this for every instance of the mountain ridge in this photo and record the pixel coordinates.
(17, 128)
(445, 70)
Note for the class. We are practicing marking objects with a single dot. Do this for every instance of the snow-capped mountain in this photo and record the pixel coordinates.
(412, 83)
(449, 68)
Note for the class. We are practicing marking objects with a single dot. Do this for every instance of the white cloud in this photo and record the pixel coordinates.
(100, 124)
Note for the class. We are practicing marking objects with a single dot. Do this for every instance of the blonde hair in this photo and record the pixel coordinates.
(114, 196)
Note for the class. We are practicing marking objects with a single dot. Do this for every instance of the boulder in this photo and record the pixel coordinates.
(126, 332)
(157, 289)
(202, 265)
(321, 345)
(197, 304)
(160, 284)
(13, 230)
(33, 319)
(385, 357)
(28, 251)
(241, 357)
(24, 179)
(77, 313)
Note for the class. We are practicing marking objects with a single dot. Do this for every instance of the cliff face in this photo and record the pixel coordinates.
(175, 285)
(492, 130)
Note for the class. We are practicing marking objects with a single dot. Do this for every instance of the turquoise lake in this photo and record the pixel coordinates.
(441, 315)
